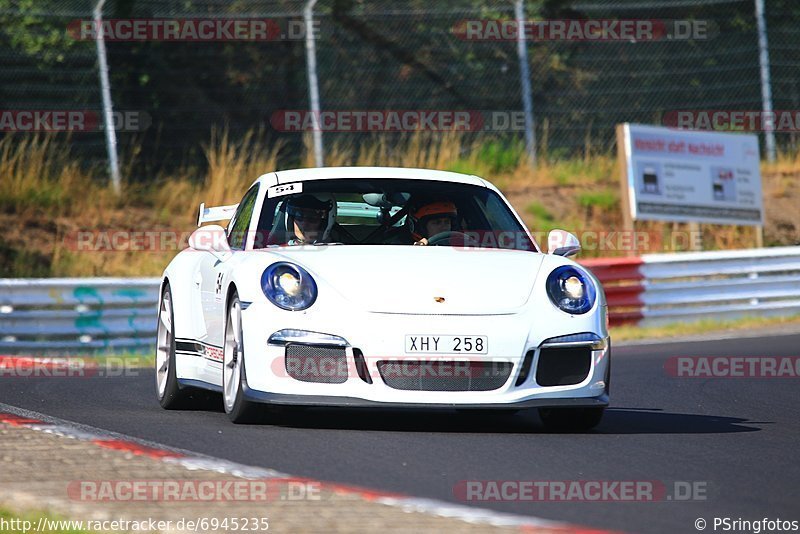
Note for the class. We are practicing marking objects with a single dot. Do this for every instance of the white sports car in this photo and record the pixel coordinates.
(382, 287)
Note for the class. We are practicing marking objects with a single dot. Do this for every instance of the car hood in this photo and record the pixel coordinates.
(414, 280)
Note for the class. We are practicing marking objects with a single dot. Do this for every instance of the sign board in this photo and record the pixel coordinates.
(690, 176)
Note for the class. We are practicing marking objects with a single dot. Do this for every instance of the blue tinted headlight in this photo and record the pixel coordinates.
(288, 286)
(571, 290)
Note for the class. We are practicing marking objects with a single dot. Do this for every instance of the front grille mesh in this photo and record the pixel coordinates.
(416, 375)
(313, 363)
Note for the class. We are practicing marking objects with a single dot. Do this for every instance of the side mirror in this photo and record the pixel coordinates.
(211, 238)
(562, 243)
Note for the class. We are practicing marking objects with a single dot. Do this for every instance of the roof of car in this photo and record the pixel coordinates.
(331, 173)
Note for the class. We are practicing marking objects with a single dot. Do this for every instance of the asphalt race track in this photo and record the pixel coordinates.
(732, 436)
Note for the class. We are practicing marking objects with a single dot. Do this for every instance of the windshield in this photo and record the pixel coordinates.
(390, 212)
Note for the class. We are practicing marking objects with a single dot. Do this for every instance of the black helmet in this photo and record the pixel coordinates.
(296, 203)
(323, 203)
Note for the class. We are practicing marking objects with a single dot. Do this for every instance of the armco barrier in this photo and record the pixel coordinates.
(672, 288)
(83, 314)
(77, 314)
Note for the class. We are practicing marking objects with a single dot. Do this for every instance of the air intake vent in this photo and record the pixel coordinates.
(313, 363)
(563, 366)
(361, 366)
(525, 370)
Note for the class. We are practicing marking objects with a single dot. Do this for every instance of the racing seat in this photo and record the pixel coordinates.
(280, 235)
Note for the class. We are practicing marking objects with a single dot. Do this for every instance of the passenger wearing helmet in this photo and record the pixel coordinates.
(432, 218)
(310, 219)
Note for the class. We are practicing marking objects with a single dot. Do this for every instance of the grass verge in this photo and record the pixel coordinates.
(709, 326)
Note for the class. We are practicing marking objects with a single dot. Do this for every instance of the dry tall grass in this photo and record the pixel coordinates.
(45, 194)
(419, 150)
(39, 175)
(232, 167)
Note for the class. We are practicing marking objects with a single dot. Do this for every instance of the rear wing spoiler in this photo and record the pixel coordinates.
(216, 213)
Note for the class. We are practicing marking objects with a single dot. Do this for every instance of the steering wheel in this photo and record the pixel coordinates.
(447, 237)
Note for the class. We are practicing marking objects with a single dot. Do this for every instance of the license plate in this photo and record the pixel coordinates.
(434, 344)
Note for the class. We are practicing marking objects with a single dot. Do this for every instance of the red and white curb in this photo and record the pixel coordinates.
(11, 415)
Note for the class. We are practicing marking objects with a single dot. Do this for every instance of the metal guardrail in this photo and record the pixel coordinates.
(77, 314)
(89, 314)
(670, 288)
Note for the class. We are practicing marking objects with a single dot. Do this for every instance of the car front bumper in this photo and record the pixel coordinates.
(381, 337)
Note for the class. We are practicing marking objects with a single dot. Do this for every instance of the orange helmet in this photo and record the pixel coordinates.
(418, 217)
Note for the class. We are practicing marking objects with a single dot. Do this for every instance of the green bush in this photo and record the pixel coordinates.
(602, 199)
(499, 156)
(540, 213)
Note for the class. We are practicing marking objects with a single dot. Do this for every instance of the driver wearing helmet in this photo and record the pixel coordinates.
(310, 219)
(432, 218)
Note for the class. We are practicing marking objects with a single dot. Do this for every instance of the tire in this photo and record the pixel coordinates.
(570, 419)
(168, 391)
(239, 410)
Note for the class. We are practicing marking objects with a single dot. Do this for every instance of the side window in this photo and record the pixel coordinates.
(237, 233)
(509, 232)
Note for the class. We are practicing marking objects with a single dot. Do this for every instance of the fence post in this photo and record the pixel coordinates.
(766, 86)
(313, 83)
(105, 90)
(525, 81)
